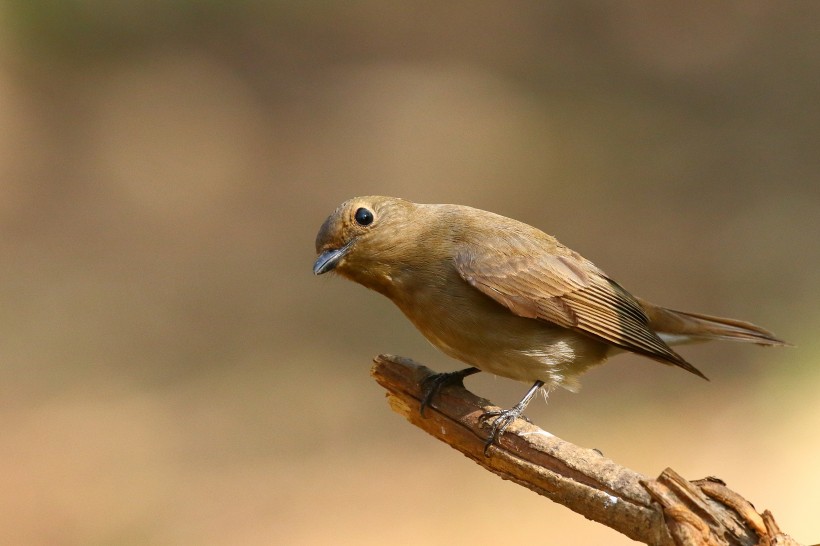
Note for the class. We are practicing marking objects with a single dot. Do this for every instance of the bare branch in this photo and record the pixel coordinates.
(665, 512)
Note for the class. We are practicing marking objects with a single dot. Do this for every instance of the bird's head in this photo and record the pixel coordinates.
(359, 240)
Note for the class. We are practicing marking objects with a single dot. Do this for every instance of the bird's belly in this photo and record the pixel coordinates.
(498, 342)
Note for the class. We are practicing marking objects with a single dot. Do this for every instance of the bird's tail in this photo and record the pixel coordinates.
(678, 327)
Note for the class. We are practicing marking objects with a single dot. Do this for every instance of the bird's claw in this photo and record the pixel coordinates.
(501, 420)
(432, 384)
(430, 387)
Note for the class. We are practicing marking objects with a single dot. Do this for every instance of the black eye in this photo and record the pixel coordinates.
(364, 217)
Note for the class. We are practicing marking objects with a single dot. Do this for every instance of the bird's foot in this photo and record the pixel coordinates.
(434, 383)
(501, 420)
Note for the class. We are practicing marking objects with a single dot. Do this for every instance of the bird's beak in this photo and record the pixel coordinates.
(329, 259)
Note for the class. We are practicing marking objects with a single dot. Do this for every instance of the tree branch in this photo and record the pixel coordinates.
(666, 511)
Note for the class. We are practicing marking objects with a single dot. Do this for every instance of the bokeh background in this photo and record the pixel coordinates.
(172, 373)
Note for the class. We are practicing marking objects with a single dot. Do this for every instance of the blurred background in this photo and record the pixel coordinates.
(171, 372)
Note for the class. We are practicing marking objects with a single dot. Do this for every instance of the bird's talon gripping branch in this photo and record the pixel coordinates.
(503, 418)
(434, 383)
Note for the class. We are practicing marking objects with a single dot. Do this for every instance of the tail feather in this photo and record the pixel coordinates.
(679, 327)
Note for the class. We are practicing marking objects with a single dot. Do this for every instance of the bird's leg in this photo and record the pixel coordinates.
(434, 383)
(503, 418)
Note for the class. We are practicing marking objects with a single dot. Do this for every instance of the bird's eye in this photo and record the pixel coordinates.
(363, 217)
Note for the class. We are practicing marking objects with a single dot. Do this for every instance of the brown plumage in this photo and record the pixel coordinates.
(503, 296)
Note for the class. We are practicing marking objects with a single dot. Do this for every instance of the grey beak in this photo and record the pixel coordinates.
(328, 259)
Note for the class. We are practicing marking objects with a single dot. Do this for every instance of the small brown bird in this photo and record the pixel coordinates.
(504, 297)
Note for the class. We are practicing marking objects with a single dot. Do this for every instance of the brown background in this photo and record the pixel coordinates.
(172, 373)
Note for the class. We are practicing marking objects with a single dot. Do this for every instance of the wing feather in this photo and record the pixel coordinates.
(559, 286)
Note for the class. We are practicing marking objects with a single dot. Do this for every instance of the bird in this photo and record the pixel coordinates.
(504, 297)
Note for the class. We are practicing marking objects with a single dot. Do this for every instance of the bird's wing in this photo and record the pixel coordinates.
(567, 290)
